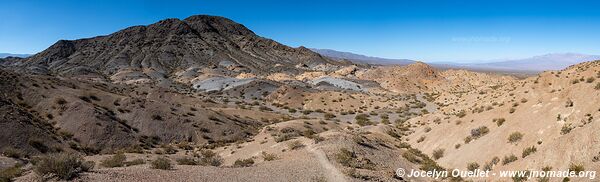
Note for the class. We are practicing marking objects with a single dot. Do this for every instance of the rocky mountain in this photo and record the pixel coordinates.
(160, 49)
(339, 55)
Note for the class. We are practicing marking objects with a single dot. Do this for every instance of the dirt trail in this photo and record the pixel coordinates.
(332, 173)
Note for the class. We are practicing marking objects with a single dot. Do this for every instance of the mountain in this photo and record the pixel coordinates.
(339, 55)
(556, 61)
(160, 49)
(4, 55)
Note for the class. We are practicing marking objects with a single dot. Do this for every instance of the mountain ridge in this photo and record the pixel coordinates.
(162, 48)
(340, 55)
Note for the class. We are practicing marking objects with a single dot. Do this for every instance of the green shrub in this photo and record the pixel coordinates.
(243, 162)
(62, 165)
(161, 163)
(117, 160)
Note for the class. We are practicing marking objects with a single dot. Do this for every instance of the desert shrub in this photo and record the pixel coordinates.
(521, 178)
(12, 153)
(472, 166)
(515, 137)
(468, 139)
(317, 138)
(350, 159)
(569, 103)
(61, 165)
(566, 129)
(421, 139)
(269, 157)
(329, 116)
(161, 163)
(364, 122)
(528, 151)
(500, 121)
(576, 167)
(185, 146)
(157, 117)
(187, 161)
(117, 160)
(597, 87)
(286, 134)
(508, 159)
(135, 162)
(306, 112)
(590, 80)
(38, 145)
(243, 162)
(461, 114)
(84, 98)
(60, 101)
(427, 129)
(511, 110)
(168, 149)
(264, 108)
(296, 144)
(479, 132)
(210, 158)
(490, 165)
(438, 153)
(8, 174)
(362, 119)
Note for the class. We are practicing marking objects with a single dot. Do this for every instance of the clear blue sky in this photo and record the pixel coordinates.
(424, 30)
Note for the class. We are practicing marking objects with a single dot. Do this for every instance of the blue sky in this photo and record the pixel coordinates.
(424, 30)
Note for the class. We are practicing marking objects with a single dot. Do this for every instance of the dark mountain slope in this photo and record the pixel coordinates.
(171, 45)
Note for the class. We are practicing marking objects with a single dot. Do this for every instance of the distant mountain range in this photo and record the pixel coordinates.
(4, 55)
(339, 55)
(555, 61)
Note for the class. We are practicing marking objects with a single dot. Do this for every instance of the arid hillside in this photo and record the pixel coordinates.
(205, 99)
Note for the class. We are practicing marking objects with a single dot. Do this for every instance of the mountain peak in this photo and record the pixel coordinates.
(207, 23)
(170, 45)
